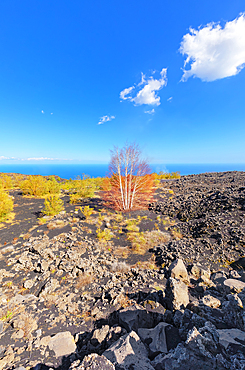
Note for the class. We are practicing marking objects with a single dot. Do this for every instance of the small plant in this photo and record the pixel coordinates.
(104, 235)
(53, 205)
(133, 228)
(132, 221)
(118, 217)
(6, 205)
(156, 226)
(7, 316)
(138, 242)
(87, 211)
(42, 221)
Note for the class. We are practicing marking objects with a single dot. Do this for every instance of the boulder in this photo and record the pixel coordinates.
(178, 271)
(129, 353)
(135, 316)
(232, 339)
(162, 338)
(219, 277)
(209, 300)
(199, 351)
(177, 294)
(99, 335)
(62, 344)
(199, 271)
(114, 334)
(233, 285)
(92, 362)
(233, 313)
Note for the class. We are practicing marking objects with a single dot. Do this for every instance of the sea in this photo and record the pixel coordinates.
(71, 171)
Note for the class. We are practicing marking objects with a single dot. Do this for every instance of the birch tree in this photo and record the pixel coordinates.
(130, 179)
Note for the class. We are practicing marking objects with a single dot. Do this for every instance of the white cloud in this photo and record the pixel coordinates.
(170, 99)
(42, 111)
(142, 79)
(105, 119)
(51, 113)
(41, 159)
(125, 92)
(150, 111)
(146, 95)
(34, 159)
(215, 52)
(2, 157)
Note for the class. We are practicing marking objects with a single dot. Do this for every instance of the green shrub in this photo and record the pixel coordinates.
(53, 205)
(6, 205)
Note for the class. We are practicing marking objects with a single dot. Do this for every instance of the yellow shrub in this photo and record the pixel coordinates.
(53, 205)
(17, 180)
(6, 205)
(74, 198)
(166, 175)
(36, 186)
(87, 211)
(53, 186)
(84, 188)
(104, 235)
(6, 181)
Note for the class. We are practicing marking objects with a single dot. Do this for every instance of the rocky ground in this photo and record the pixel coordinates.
(161, 288)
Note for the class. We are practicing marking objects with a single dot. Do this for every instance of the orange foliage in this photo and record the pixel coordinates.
(140, 192)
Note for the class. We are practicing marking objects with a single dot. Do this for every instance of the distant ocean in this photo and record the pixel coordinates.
(68, 171)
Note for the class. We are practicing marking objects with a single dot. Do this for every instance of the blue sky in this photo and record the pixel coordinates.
(78, 77)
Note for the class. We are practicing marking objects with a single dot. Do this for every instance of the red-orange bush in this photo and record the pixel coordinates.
(130, 186)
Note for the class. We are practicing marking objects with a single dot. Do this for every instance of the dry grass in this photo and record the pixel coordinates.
(121, 252)
(143, 241)
(25, 236)
(27, 323)
(81, 247)
(147, 265)
(120, 267)
(83, 281)
(123, 301)
(176, 234)
(50, 300)
(56, 224)
(156, 237)
(10, 311)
